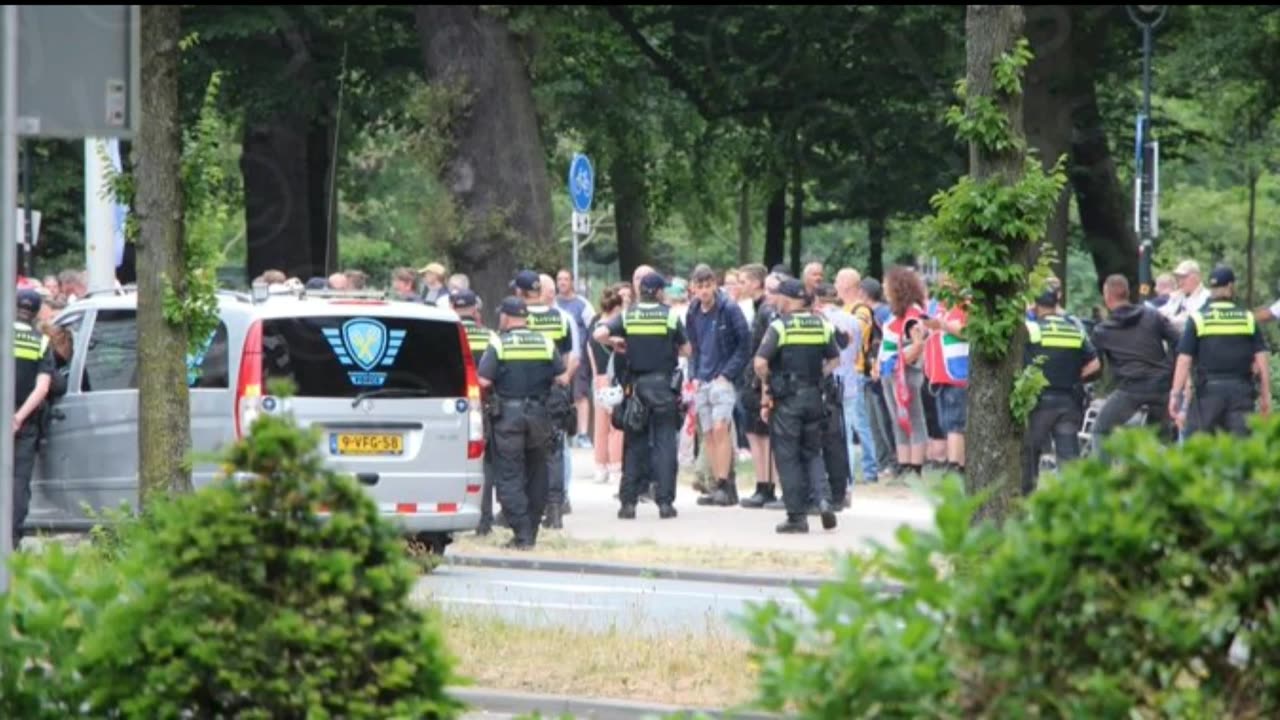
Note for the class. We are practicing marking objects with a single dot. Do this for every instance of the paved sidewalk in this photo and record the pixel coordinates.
(876, 514)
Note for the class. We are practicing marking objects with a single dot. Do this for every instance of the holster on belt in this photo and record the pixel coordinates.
(781, 386)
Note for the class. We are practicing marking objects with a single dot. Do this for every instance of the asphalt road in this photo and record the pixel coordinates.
(592, 601)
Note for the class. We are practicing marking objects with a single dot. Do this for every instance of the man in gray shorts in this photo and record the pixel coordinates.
(720, 339)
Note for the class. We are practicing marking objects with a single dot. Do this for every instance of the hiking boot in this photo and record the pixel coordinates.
(828, 515)
(795, 525)
(775, 505)
(764, 494)
(666, 512)
(484, 528)
(627, 512)
(553, 521)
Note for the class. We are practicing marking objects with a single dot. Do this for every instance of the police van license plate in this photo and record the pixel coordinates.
(366, 444)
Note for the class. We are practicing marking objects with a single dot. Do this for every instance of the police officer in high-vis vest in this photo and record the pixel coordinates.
(554, 324)
(1069, 358)
(799, 349)
(652, 335)
(1222, 349)
(32, 377)
(519, 368)
(467, 305)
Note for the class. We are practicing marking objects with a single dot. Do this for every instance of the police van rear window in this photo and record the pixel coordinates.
(346, 356)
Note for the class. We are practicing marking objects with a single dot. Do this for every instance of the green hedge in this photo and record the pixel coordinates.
(1144, 590)
(236, 601)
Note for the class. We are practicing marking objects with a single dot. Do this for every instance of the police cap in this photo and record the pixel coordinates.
(29, 300)
(653, 282)
(514, 307)
(1221, 276)
(791, 288)
(463, 299)
(527, 281)
(1047, 299)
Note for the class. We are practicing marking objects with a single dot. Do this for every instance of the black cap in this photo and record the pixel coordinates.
(514, 307)
(791, 288)
(653, 282)
(463, 299)
(1221, 276)
(826, 291)
(871, 287)
(29, 300)
(317, 283)
(1048, 298)
(781, 270)
(527, 281)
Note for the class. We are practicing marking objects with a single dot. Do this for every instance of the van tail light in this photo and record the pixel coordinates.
(249, 384)
(475, 420)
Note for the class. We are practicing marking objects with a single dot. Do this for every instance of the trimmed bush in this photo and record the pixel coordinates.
(1144, 590)
(245, 603)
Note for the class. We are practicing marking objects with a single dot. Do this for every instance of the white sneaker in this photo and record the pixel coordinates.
(602, 475)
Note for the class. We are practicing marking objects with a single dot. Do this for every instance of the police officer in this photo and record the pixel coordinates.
(652, 335)
(32, 377)
(1224, 343)
(1069, 358)
(554, 323)
(798, 350)
(520, 367)
(467, 305)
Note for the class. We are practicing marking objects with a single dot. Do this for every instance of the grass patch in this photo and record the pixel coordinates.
(705, 669)
(556, 545)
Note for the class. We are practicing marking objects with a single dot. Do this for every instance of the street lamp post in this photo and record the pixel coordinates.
(1147, 153)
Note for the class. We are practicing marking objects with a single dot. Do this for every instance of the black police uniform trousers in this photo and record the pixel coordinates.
(1057, 416)
(796, 429)
(649, 455)
(489, 468)
(522, 434)
(1221, 404)
(555, 452)
(25, 450)
(835, 449)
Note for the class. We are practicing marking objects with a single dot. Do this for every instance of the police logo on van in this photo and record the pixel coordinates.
(366, 344)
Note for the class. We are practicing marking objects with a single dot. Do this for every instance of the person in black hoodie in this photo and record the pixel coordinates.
(1137, 343)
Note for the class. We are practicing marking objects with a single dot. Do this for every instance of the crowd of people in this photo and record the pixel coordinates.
(820, 384)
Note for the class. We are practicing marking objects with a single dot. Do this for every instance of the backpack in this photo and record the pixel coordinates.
(871, 341)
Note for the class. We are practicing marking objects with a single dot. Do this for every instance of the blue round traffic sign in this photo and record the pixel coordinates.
(582, 182)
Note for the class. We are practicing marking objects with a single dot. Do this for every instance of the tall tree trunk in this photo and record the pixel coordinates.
(994, 442)
(877, 230)
(630, 212)
(775, 227)
(277, 198)
(498, 170)
(1106, 212)
(1254, 175)
(797, 220)
(164, 418)
(323, 240)
(744, 223)
(1046, 110)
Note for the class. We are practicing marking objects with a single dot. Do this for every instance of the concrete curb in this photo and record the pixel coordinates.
(552, 706)
(627, 570)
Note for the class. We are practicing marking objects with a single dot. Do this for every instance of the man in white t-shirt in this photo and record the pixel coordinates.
(1268, 313)
(1191, 295)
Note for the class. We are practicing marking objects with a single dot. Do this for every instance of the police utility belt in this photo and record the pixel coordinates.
(783, 385)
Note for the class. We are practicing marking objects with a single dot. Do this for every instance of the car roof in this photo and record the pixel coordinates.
(280, 305)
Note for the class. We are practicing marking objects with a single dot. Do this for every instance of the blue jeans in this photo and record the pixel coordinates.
(858, 420)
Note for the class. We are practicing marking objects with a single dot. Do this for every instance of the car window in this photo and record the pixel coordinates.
(111, 361)
(209, 368)
(345, 356)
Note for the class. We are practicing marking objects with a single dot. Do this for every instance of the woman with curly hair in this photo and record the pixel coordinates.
(900, 365)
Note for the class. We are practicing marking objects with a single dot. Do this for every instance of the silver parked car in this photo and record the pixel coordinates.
(391, 386)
